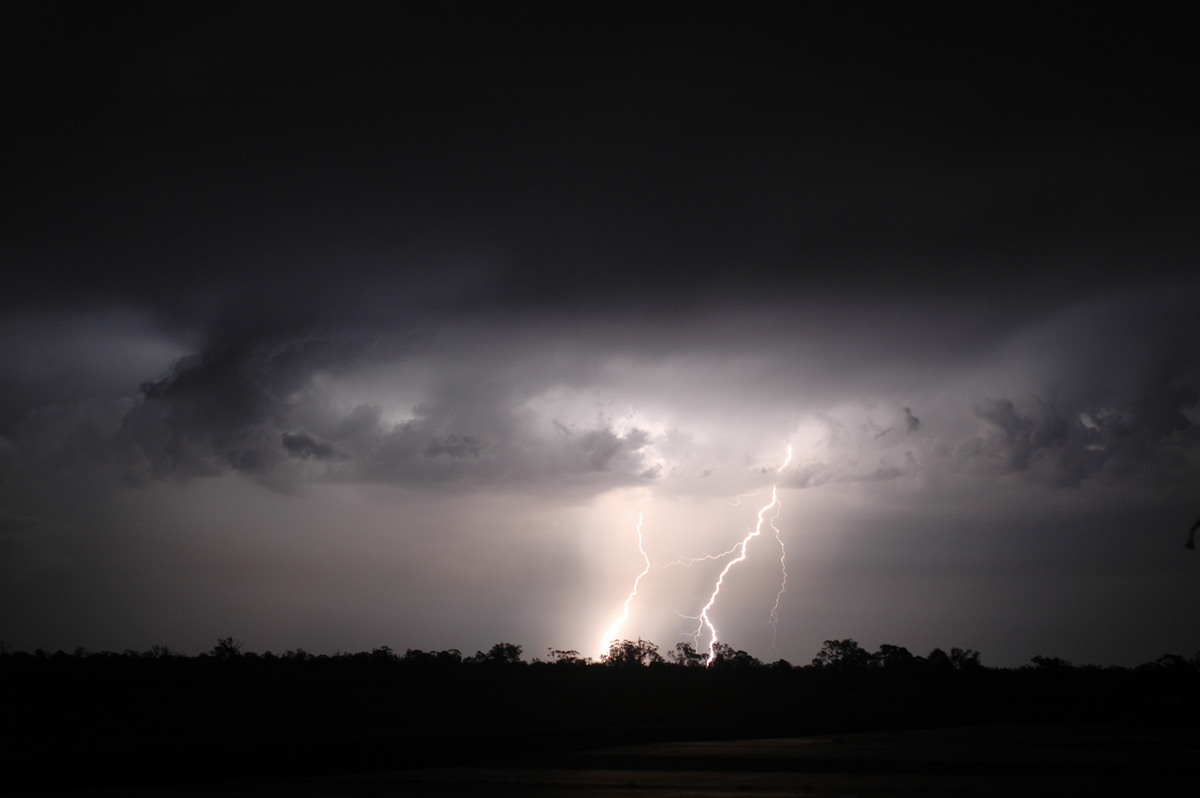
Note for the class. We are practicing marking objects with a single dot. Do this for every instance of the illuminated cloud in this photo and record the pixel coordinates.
(401, 364)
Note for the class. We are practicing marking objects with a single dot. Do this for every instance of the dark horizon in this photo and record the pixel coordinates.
(839, 655)
(427, 724)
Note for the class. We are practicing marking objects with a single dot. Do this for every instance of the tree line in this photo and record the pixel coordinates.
(838, 656)
(139, 716)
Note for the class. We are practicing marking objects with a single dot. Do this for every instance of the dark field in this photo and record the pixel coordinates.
(358, 726)
(991, 760)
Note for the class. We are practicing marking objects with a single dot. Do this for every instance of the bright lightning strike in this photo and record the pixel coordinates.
(783, 578)
(703, 617)
(738, 501)
(705, 621)
(688, 562)
(611, 633)
(782, 559)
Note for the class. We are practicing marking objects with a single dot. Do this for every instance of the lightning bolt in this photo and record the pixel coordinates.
(704, 619)
(783, 579)
(782, 559)
(738, 501)
(611, 633)
(688, 562)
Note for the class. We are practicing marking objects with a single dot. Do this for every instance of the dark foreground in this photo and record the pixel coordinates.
(995, 760)
(989, 760)
(118, 726)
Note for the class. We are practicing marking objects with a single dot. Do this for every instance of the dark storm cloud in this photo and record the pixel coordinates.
(513, 251)
(63, 358)
(227, 406)
(456, 446)
(300, 444)
(791, 162)
(1111, 386)
(1043, 437)
(1066, 448)
(251, 402)
(603, 445)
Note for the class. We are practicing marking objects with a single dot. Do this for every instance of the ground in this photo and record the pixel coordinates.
(987, 760)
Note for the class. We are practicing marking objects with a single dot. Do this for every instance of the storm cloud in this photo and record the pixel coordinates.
(381, 331)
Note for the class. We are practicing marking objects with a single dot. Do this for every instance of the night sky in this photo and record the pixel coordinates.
(348, 325)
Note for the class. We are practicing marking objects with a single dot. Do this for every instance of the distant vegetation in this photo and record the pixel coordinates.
(146, 716)
(843, 656)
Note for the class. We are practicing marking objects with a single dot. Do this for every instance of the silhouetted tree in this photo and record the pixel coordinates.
(451, 656)
(939, 661)
(895, 659)
(685, 654)
(965, 659)
(1172, 662)
(415, 656)
(1050, 663)
(383, 654)
(499, 654)
(227, 648)
(727, 657)
(567, 657)
(843, 655)
(440, 659)
(627, 654)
